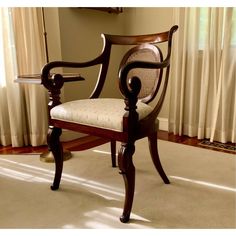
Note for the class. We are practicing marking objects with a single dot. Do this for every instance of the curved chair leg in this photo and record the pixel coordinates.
(127, 169)
(56, 148)
(155, 156)
(113, 153)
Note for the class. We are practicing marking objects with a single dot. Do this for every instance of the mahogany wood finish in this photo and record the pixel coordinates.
(55, 146)
(152, 138)
(113, 153)
(133, 128)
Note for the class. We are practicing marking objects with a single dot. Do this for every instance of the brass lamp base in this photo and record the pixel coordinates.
(48, 156)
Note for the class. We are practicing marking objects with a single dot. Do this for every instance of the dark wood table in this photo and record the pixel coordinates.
(36, 79)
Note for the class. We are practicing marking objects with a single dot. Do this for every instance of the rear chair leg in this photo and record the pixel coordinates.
(55, 146)
(155, 156)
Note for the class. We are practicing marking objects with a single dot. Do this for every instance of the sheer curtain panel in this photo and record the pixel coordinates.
(23, 116)
(203, 74)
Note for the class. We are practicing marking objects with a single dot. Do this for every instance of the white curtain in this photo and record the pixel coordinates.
(23, 108)
(203, 74)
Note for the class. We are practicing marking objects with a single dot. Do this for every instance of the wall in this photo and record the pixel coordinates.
(146, 20)
(80, 31)
(53, 33)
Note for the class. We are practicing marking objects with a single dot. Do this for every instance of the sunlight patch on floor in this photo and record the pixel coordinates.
(92, 184)
(29, 173)
(105, 219)
(103, 152)
(106, 196)
(24, 172)
(226, 188)
(22, 176)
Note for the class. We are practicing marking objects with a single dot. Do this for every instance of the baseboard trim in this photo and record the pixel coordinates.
(163, 124)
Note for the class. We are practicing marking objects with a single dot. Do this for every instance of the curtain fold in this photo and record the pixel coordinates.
(203, 77)
(12, 124)
(23, 108)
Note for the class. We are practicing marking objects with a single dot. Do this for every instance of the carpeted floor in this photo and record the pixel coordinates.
(202, 193)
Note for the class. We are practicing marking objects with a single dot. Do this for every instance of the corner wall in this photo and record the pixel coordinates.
(80, 31)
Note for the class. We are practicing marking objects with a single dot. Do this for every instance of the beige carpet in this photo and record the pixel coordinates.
(202, 193)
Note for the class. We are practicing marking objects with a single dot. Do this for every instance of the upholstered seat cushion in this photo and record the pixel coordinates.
(102, 112)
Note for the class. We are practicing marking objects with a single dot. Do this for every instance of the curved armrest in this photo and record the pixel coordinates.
(55, 82)
(47, 79)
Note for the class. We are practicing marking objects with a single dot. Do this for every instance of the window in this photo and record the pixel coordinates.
(205, 17)
(2, 60)
(7, 47)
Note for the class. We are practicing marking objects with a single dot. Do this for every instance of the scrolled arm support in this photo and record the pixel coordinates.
(131, 89)
(123, 73)
(53, 84)
(131, 97)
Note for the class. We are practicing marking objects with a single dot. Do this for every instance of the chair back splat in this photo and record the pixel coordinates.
(143, 74)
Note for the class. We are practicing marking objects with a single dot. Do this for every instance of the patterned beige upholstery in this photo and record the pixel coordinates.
(149, 78)
(102, 112)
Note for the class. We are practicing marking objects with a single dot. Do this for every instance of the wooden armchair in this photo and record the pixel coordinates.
(126, 120)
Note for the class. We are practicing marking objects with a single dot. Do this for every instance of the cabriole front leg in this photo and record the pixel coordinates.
(127, 169)
(57, 151)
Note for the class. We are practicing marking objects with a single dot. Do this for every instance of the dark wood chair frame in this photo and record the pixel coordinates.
(133, 128)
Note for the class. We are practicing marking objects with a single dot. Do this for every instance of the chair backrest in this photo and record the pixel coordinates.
(145, 48)
(149, 78)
